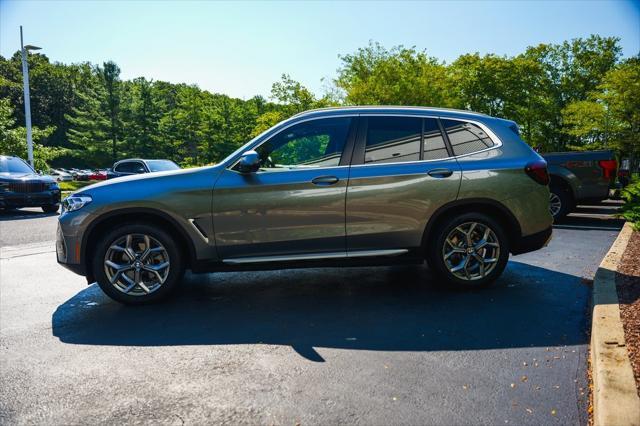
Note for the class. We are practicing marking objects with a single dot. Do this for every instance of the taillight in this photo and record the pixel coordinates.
(537, 170)
(608, 168)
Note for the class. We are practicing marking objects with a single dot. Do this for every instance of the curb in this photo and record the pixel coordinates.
(615, 398)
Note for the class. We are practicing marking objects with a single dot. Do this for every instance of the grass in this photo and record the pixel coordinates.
(73, 185)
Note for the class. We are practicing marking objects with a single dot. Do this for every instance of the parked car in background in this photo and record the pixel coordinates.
(21, 186)
(134, 166)
(80, 175)
(98, 175)
(579, 177)
(340, 186)
(60, 175)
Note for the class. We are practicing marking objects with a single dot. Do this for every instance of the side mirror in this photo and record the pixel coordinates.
(249, 162)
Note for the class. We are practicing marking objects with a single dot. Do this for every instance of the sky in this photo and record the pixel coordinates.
(242, 48)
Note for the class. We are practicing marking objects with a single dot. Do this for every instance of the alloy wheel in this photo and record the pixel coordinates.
(471, 251)
(555, 204)
(136, 264)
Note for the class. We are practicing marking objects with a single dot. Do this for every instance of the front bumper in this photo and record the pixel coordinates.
(533, 242)
(29, 199)
(68, 252)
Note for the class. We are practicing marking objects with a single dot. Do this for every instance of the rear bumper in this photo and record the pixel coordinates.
(533, 242)
(29, 199)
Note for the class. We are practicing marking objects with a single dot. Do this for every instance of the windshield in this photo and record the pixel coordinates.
(161, 165)
(14, 165)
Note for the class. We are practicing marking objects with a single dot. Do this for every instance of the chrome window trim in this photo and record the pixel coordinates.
(494, 138)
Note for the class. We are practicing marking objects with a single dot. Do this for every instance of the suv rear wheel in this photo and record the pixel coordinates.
(469, 250)
(137, 264)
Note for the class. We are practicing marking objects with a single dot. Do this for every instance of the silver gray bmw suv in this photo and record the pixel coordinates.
(330, 187)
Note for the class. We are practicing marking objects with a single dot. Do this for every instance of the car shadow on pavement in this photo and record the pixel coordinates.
(382, 308)
(6, 215)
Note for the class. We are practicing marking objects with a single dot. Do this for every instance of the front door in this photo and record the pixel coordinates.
(295, 203)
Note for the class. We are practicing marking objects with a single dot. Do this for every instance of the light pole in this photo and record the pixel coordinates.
(27, 101)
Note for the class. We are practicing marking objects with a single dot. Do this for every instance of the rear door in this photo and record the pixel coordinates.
(402, 171)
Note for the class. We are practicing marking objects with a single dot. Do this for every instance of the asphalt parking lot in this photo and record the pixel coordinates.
(383, 345)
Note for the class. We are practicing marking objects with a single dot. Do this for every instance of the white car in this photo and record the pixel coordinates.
(60, 176)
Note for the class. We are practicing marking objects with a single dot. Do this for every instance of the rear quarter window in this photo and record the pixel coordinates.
(465, 137)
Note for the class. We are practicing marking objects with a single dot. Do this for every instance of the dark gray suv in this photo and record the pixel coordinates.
(339, 186)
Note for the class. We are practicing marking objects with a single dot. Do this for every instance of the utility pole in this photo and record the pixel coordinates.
(27, 101)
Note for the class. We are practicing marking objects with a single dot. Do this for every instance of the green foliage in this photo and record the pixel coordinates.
(575, 95)
(73, 185)
(13, 140)
(631, 209)
(400, 76)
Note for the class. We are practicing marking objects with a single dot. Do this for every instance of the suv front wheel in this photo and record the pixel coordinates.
(469, 250)
(137, 264)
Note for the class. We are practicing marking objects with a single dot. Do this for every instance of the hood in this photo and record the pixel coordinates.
(105, 184)
(17, 177)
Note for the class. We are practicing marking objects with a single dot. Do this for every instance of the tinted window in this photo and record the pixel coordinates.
(161, 165)
(466, 137)
(317, 143)
(130, 167)
(393, 139)
(434, 146)
(14, 165)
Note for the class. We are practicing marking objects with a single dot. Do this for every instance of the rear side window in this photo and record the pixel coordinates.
(465, 137)
(434, 147)
(393, 139)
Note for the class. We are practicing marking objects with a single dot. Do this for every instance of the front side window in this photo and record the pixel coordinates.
(130, 167)
(316, 143)
(392, 139)
(465, 137)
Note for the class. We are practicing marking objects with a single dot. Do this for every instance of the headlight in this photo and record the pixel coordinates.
(75, 202)
(52, 185)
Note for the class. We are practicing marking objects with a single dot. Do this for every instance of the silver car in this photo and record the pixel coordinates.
(330, 187)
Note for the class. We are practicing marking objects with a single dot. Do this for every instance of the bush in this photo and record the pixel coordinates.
(631, 209)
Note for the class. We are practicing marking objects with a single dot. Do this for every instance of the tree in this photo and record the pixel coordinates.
(13, 139)
(110, 74)
(400, 76)
(610, 117)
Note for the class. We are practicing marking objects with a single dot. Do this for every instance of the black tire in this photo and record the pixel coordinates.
(436, 253)
(175, 258)
(558, 194)
(51, 208)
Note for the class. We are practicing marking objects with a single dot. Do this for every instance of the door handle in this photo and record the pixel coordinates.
(440, 173)
(325, 180)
